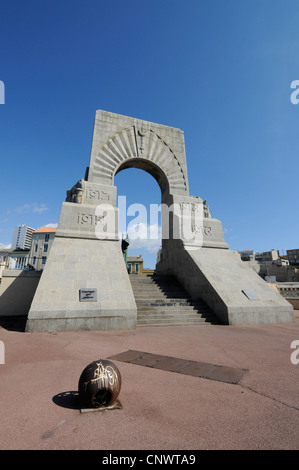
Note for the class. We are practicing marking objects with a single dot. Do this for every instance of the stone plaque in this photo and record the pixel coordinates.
(88, 295)
(250, 294)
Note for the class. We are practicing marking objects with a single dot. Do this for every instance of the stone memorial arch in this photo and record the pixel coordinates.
(85, 284)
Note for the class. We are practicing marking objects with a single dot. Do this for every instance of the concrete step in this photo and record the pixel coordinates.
(152, 320)
(162, 300)
(167, 316)
(170, 307)
(152, 295)
(171, 323)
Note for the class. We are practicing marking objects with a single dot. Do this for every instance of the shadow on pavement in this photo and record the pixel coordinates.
(68, 399)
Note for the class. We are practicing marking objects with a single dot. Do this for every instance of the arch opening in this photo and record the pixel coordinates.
(139, 204)
(149, 167)
(139, 148)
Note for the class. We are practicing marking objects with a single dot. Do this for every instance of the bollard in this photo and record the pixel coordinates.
(99, 384)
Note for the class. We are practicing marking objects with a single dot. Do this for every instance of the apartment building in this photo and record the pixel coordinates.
(271, 255)
(42, 240)
(22, 237)
(293, 256)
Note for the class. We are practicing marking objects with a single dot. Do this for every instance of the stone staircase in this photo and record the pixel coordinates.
(162, 300)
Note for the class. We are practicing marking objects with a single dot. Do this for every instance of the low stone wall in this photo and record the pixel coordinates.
(290, 291)
(17, 289)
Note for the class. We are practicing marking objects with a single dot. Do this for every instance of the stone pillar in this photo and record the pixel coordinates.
(85, 285)
(195, 252)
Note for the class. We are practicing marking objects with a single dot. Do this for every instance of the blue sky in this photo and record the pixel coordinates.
(219, 70)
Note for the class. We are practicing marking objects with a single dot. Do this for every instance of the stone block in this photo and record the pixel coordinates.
(88, 221)
(220, 278)
(56, 305)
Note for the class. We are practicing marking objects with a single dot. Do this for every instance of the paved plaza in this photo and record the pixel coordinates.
(161, 409)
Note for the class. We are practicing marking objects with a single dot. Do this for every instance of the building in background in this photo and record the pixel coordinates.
(272, 266)
(13, 259)
(272, 255)
(293, 256)
(22, 237)
(18, 259)
(264, 256)
(4, 257)
(247, 255)
(135, 265)
(42, 240)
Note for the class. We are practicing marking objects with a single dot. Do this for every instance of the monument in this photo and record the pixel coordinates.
(85, 284)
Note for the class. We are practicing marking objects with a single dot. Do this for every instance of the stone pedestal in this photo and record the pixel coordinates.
(195, 252)
(85, 284)
(94, 266)
(233, 291)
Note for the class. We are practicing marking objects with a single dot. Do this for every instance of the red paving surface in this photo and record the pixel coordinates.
(161, 410)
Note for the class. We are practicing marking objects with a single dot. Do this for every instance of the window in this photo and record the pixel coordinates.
(136, 268)
(36, 248)
(44, 259)
(47, 237)
(129, 268)
(45, 247)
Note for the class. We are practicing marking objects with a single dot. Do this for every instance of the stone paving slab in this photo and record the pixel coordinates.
(226, 374)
